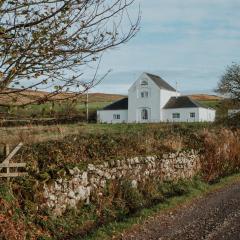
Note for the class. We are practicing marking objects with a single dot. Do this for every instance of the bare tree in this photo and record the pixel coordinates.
(229, 84)
(46, 42)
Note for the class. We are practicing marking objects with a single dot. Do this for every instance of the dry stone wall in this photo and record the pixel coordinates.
(81, 185)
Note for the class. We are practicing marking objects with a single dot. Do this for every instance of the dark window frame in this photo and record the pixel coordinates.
(144, 94)
(176, 115)
(116, 116)
(192, 115)
(144, 83)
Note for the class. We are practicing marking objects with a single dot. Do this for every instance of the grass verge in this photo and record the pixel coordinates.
(196, 191)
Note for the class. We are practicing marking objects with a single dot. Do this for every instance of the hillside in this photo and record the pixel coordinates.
(30, 96)
(211, 101)
(205, 97)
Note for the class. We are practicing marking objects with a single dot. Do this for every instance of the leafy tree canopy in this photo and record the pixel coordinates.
(229, 84)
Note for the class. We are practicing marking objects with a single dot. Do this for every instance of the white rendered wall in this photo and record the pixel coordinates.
(156, 100)
(207, 115)
(106, 116)
(136, 103)
(164, 98)
(184, 115)
(201, 115)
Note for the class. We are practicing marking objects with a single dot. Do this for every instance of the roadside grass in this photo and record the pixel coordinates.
(197, 190)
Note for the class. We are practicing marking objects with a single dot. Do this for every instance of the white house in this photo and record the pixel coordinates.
(151, 99)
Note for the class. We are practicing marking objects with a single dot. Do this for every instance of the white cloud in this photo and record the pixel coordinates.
(199, 36)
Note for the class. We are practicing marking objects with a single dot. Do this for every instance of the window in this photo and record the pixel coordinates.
(144, 94)
(116, 116)
(192, 115)
(144, 114)
(176, 115)
(144, 83)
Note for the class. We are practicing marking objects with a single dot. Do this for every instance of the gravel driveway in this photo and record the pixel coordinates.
(212, 217)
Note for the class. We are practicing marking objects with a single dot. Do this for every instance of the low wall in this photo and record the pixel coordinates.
(81, 185)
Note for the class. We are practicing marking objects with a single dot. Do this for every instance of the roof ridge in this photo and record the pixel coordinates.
(160, 82)
(152, 74)
(192, 100)
(173, 101)
(195, 102)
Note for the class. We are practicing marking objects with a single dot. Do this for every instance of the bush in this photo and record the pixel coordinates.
(220, 154)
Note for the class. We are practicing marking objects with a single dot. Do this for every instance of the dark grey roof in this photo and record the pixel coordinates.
(182, 102)
(118, 105)
(160, 82)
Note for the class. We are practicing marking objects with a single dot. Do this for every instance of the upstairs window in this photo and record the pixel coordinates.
(144, 94)
(144, 83)
(175, 115)
(192, 115)
(116, 116)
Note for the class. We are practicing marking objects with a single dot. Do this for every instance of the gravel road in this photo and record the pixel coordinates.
(215, 216)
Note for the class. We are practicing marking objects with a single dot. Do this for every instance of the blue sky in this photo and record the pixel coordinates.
(190, 42)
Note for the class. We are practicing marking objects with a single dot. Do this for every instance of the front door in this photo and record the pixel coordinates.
(144, 115)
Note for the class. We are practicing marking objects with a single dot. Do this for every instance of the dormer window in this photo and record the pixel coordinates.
(144, 83)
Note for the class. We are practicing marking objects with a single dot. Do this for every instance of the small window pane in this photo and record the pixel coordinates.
(192, 115)
(176, 115)
(116, 116)
(144, 94)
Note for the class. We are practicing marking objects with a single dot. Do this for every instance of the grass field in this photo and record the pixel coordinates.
(72, 108)
(49, 110)
(58, 108)
(31, 133)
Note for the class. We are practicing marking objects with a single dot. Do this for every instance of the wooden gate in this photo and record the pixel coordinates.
(12, 168)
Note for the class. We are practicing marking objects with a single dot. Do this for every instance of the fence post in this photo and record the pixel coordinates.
(8, 171)
(6, 150)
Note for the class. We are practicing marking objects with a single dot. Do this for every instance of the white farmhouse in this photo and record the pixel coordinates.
(151, 99)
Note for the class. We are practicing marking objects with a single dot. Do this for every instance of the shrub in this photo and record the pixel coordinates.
(221, 154)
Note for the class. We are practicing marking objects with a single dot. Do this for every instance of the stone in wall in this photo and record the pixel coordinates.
(67, 192)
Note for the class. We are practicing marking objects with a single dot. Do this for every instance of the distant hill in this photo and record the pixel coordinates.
(205, 97)
(211, 101)
(30, 96)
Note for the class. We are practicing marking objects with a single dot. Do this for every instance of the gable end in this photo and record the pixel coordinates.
(160, 82)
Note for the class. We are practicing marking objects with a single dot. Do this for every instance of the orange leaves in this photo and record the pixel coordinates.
(2, 218)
